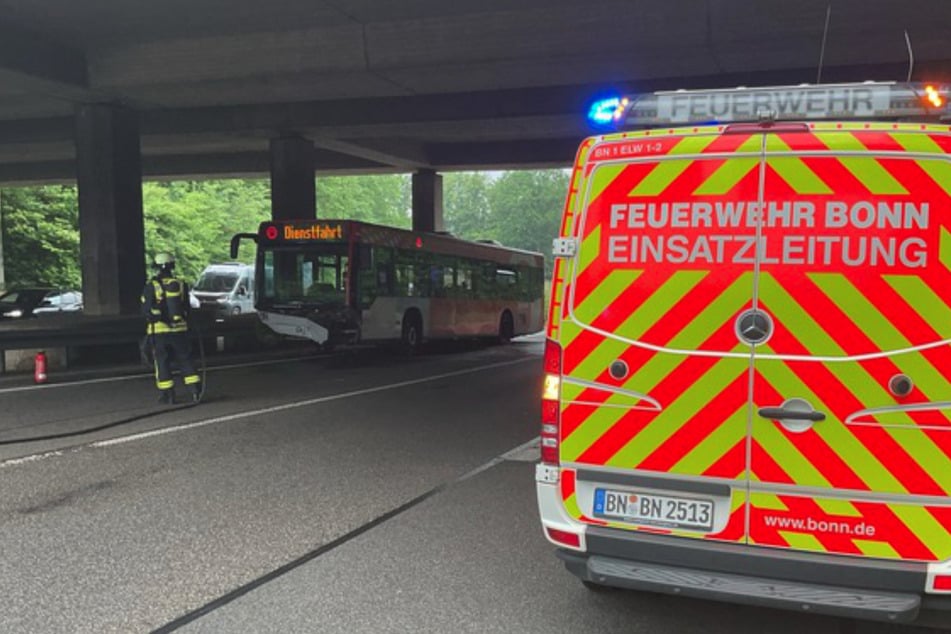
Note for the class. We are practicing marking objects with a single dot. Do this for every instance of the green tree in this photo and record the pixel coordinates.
(466, 209)
(383, 199)
(40, 236)
(195, 220)
(526, 209)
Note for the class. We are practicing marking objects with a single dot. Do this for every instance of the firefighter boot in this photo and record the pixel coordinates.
(167, 397)
(196, 393)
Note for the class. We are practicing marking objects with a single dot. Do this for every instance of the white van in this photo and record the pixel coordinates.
(226, 289)
(748, 358)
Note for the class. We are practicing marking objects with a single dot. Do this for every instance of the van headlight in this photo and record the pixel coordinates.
(16, 312)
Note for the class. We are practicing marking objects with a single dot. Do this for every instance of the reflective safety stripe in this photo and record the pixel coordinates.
(165, 385)
(160, 327)
(191, 379)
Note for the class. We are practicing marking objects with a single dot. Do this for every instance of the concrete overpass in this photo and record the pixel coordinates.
(104, 92)
(397, 86)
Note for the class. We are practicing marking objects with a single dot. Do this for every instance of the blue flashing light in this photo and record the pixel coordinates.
(605, 111)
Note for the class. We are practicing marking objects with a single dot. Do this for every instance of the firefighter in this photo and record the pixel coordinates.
(165, 304)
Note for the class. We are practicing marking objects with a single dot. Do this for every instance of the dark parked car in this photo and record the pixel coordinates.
(35, 302)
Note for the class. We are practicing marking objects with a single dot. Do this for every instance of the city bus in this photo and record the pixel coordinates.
(345, 282)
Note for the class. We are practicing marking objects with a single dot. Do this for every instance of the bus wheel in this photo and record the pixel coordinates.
(506, 327)
(412, 333)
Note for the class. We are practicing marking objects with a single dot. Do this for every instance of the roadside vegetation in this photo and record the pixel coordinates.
(196, 219)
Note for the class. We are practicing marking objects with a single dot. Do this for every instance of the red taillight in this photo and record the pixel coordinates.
(550, 406)
(942, 582)
(564, 537)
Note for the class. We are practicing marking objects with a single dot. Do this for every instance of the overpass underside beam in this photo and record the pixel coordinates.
(427, 201)
(111, 232)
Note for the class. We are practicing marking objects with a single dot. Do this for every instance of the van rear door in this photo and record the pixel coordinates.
(655, 388)
(851, 395)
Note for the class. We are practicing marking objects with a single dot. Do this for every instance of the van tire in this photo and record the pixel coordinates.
(412, 335)
(506, 327)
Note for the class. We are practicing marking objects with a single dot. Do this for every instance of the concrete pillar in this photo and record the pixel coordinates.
(427, 201)
(293, 190)
(111, 231)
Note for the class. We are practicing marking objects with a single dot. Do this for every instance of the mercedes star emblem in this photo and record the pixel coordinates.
(753, 326)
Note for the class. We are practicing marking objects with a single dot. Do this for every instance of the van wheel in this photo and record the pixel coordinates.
(506, 328)
(412, 334)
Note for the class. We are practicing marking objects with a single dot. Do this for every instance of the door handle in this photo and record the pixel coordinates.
(784, 413)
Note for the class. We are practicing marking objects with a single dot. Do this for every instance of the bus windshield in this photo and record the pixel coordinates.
(305, 275)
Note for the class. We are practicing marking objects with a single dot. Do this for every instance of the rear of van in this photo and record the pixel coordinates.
(748, 377)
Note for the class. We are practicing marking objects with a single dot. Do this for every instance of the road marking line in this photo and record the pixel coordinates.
(258, 412)
(32, 458)
(529, 452)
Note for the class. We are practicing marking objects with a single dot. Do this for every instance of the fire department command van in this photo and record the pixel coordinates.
(748, 372)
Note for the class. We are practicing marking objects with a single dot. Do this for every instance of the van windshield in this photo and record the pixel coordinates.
(215, 282)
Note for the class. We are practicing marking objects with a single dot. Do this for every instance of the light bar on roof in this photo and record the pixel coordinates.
(867, 100)
(607, 111)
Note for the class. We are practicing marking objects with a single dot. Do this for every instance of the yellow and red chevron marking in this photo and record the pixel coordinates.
(822, 311)
(568, 483)
(686, 142)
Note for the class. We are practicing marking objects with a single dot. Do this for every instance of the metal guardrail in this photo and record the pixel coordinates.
(63, 331)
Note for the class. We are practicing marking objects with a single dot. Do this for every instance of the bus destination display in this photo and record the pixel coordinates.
(313, 231)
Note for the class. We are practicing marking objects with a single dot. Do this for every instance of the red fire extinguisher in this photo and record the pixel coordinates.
(39, 367)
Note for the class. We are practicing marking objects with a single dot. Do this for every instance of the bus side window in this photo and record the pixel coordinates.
(487, 281)
(384, 279)
(436, 280)
(464, 280)
(506, 280)
(373, 274)
(424, 272)
(448, 281)
(383, 265)
(405, 280)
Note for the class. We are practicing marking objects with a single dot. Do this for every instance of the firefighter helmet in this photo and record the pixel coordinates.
(164, 259)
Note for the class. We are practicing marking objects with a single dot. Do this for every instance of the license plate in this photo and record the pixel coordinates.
(656, 510)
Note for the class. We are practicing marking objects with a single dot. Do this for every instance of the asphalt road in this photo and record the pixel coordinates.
(353, 493)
